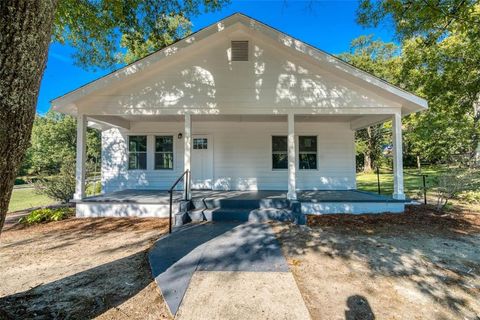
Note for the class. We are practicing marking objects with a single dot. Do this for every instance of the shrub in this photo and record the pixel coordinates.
(47, 215)
(469, 196)
(93, 188)
(60, 187)
(449, 186)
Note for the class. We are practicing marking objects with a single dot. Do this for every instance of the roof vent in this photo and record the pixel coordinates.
(239, 50)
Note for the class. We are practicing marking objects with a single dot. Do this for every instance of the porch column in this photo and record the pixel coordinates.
(81, 157)
(291, 194)
(187, 151)
(397, 156)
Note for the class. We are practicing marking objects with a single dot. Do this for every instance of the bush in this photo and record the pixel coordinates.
(93, 188)
(469, 196)
(60, 187)
(449, 185)
(47, 215)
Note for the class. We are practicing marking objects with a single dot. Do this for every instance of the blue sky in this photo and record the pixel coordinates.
(328, 25)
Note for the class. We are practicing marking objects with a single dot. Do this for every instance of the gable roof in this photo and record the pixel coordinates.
(410, 102)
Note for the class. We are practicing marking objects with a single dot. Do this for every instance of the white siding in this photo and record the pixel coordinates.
(205, 80)
(242, 156)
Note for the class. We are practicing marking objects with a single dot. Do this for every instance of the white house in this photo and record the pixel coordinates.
(243, 107)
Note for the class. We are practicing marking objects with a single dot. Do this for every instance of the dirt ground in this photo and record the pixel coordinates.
(79, 269)
(414, 266)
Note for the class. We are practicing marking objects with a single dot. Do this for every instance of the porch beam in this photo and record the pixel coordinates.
(398, 192)
(291, 194)
(81, 157)
(107, 108)
(370, 120)
(112, 121)
(187, 153)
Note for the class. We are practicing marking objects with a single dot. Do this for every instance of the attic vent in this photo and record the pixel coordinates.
(239, 50)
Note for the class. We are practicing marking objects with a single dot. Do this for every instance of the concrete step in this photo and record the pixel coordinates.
(196, 215)
(212, 203)
(229, 214)
(254, 215)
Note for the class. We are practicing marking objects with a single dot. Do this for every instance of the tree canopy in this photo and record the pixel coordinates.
(105, 33)
(53, 143)
(440, 43)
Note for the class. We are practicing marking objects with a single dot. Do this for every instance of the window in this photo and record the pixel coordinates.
(279, 152)
(200, 143)
(137, 152)
(163, 152)
(307, 154)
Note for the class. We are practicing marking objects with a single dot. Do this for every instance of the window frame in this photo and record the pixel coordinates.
(307, 152)
(277, 152)
(129, 152)
(163, 152)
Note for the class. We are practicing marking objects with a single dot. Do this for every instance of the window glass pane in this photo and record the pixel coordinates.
(279, 161)
(137, 161)
(164, 160)
(163, 143)
(137, 143)
(200, 143)
(308, 161)
(279, 143)
(307, 143)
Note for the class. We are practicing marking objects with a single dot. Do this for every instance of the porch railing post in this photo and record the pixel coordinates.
(291, 194)
(398, 192)
(187, 150)
(80, 157)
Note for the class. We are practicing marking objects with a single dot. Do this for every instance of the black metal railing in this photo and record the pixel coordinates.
(185, 175)
(423, 183)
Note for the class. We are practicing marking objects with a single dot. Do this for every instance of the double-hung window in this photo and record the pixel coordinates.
(163, 152)
(307, 152)
(279, 152)
(137, 152)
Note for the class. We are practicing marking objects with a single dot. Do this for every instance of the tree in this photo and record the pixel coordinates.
(441, 61)
(383, 60)
(54, 139)
(104, 32)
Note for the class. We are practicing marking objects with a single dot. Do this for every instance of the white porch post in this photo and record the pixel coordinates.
(291, 194)
(187, 150)
(81, 157)
(397, 156)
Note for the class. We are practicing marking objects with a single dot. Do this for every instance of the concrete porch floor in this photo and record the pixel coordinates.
(314, 196)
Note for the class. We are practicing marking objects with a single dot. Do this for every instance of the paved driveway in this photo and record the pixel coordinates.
(226, 271)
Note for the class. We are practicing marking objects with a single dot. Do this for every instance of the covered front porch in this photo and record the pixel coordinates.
(235, 152)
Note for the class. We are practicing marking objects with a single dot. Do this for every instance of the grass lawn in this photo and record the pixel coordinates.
(412, 181)
(24, 198)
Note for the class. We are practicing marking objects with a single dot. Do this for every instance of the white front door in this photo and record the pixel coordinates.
(202, 162)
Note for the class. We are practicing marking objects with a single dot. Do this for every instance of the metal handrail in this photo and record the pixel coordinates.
(424, 182)
(185, 175)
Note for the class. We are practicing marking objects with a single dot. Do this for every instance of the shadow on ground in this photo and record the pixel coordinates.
(83, 295)
(439, 257)
(88, 267)
(225, 246)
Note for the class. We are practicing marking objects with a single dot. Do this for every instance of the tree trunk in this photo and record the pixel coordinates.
(475, 142)
(367, 162)
(367, 156)
(25, 33)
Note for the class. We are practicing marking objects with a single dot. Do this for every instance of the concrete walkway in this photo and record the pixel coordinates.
(225, 262)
